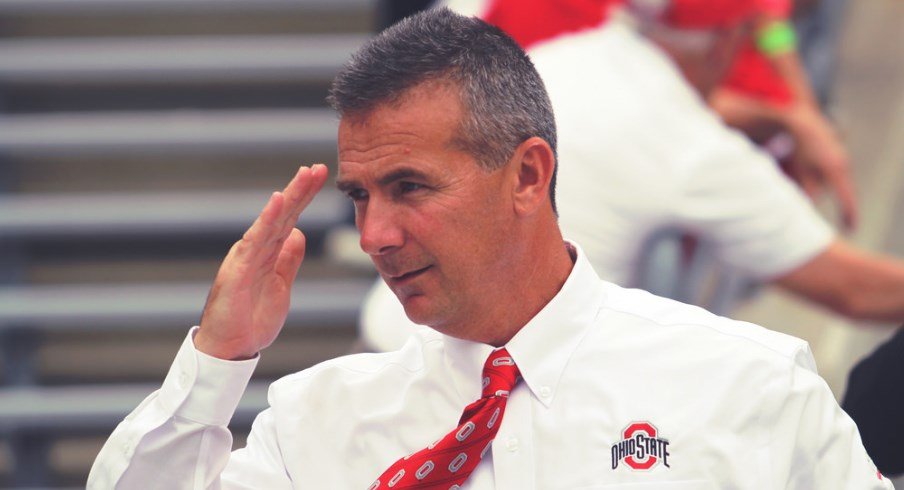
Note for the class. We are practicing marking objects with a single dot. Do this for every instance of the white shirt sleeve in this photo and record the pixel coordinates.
(738, 198)
(178, 436)
(812, 441)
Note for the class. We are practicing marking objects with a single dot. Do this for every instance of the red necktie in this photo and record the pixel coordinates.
(448, 462)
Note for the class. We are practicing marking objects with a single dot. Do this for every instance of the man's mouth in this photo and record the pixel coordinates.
(409, 275)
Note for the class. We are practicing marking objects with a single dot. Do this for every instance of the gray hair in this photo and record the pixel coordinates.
(504, 99)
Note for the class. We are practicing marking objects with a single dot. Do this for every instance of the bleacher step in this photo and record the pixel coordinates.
(314, 303)
(79, 409)
(92, 7)
(223, 131)
(183, 59)
(93, 215)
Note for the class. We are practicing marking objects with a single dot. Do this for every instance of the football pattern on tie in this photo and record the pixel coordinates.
(447, 463)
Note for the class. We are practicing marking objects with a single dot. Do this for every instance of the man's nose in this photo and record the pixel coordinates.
(379, 228)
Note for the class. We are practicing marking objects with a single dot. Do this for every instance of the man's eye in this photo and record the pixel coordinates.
(357, 194)
(406, 187)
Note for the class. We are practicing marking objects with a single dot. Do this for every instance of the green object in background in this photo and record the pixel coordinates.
(778, 37)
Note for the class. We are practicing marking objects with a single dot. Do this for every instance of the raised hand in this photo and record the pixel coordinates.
(249, 301)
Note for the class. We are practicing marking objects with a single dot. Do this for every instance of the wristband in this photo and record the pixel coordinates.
(776, 38)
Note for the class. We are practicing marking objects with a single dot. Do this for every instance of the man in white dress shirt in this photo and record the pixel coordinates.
(447, 148)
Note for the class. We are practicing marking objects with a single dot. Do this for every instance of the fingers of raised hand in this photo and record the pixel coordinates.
(259, 235)
(290, 256)
(263, 241)
(299, 194)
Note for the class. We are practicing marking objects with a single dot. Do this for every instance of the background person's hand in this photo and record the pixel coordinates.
(249, 300)
(820, 163)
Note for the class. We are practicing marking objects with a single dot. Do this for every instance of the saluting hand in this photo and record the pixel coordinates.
(249, 301)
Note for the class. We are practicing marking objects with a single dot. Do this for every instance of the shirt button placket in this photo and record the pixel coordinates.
(183, 380)
(513, 457)
(512, 444)
(545, 392)
(128, 448)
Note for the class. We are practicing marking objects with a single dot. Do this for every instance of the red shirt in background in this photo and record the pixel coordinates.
(532, 21)
(752, 72)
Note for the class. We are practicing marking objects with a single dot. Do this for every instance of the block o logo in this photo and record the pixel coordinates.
(650, 431)
(641, 448)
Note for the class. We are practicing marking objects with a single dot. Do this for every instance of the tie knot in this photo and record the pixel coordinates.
(499, 374)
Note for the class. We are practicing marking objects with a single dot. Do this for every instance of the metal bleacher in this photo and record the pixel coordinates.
(138, 139)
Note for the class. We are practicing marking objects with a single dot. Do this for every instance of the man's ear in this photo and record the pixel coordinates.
(532, 168)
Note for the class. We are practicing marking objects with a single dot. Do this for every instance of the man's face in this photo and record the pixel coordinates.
(434, 223)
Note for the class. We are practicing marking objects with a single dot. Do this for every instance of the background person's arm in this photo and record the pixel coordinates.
(852, 282)
(769, 91)
(819, 161)
(756, 118)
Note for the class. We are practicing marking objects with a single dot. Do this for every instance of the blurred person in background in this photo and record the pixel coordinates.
(642, 152)
(767, 95)
(875, 400)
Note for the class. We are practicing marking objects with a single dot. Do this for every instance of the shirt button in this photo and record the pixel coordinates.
(545, 392)
(512, 444)
(183, 380)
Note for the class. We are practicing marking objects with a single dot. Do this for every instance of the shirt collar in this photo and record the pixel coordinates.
(542, 348)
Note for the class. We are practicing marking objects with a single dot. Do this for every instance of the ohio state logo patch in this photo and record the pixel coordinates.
(640, 448)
